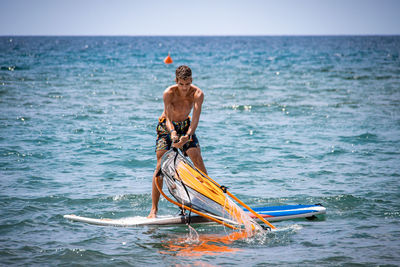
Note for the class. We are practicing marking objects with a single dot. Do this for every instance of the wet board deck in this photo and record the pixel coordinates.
(272, 214)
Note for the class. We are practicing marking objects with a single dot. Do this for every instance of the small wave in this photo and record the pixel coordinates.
(13, 68)
(86, 257)
(131, 197)
(326, 69)
(128, 163)
(384, 77)
(82, 117)
(357, 77)
(309, 244)
(276, 237)
(242, 107)
(335, 151)
(23, 118)
(94, 110)
(113, 175)
(288, 228)
(119, 197)
(3, 92)
(360, 139)
(55, 95)
(345, 201)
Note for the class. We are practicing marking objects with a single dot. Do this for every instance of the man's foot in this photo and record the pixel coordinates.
(152, 215)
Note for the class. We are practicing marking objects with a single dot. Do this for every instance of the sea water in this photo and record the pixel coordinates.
(285, 120)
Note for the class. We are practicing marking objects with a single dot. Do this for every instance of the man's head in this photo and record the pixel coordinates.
(183, 77)
(183, 72)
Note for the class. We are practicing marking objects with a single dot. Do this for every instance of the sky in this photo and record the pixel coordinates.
(199, 17)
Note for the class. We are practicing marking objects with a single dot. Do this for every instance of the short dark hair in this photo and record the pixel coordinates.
(183, 72)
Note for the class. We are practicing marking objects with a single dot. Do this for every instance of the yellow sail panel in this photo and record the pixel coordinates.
(194, 180)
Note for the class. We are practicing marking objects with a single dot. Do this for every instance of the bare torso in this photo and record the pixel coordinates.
(180, 105)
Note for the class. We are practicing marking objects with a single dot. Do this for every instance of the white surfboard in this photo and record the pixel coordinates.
(275, 213)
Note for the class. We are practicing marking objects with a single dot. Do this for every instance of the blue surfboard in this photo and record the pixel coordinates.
(280, 213)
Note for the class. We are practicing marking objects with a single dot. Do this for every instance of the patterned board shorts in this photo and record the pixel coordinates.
(164, 141)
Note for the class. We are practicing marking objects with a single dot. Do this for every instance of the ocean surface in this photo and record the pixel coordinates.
(286, 120)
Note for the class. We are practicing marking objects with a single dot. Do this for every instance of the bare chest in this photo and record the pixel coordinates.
(182, 104)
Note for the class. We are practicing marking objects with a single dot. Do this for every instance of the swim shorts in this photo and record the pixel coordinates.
(164, 141)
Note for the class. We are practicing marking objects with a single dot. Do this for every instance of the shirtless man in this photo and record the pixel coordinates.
(175, 128)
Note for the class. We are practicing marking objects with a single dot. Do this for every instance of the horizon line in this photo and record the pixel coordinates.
(194, 35)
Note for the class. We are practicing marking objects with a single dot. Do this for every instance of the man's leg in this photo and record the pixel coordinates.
(194, 154)
(155, 194)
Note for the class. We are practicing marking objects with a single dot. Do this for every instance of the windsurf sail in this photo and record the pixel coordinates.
(196, 192)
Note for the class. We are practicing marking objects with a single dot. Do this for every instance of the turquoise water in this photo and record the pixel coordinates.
(286, 120)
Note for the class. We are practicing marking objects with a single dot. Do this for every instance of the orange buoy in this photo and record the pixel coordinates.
(168, 59)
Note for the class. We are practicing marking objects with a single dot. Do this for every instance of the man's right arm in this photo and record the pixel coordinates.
(167, 97)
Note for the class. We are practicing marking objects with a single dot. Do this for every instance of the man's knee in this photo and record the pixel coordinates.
(194, 154)
(159, 154)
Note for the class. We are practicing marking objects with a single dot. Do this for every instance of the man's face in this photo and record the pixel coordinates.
(184, 84)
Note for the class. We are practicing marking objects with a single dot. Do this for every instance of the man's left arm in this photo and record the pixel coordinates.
(198, 102)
